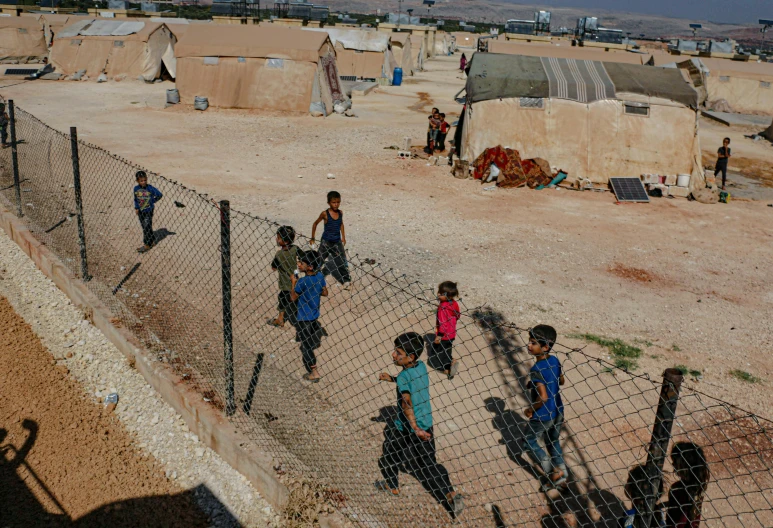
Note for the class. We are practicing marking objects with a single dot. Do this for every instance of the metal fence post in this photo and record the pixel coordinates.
(15, 159)
(658, 448)
(225, 262)
(76, 174)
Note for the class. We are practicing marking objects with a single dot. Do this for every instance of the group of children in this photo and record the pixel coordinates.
(437, 132)
(409, 441)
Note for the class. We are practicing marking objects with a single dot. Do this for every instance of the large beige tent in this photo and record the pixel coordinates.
(417, 46)
(263, 67)
(22, 40)
(114, 47)
(747, 86)
(594, 120)
(403, 52)
(361, 54)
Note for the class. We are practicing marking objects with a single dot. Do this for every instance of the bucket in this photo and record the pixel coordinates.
(683, 180)
(397, 78)
(200, 103)
(172, 96)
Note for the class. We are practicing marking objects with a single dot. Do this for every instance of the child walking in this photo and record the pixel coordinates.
(308, 291)
(285, 263)
(409, 441)
(145, 198)
(445, 327)
(331, 247)
(546, 413)
(685, 498)
(723, 156)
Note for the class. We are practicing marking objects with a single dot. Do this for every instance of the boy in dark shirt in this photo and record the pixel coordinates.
(723, 155)
(546, 413)
(145, 198)
(285, 263)
(308, 291)
(331, 247)
(409, 440)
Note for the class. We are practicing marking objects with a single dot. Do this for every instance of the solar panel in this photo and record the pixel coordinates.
(629, 190)
(20, 71)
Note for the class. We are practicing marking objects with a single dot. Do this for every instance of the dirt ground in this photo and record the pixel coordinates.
(65, 461)
(536, 256)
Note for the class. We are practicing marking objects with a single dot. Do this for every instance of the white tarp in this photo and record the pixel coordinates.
(357, 39)
(101, 28)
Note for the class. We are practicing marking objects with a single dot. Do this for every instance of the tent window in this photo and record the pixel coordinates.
(764, 84)
(275, 63)
(639, 109)
(359, 51)
(118, 43)
(75, 42)
(531, 102)
(241, 59)
(211, 61)
(724, 78)
(23, 30)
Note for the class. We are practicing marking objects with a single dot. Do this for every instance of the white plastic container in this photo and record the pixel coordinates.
(683, 180)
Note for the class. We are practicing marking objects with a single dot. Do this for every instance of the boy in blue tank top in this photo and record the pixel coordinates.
(331, 247)
(546, 413)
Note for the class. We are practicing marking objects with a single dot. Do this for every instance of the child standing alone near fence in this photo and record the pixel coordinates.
(445, 327)
(546, 413)
(308, 291)
(145, 198)
(331, 247)
(285, 263)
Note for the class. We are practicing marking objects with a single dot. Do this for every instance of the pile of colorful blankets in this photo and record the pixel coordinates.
(513, 171)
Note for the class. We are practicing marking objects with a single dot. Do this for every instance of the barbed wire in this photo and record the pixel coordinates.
(341, 431)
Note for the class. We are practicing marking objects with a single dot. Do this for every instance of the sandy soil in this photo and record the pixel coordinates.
(536, 256)
(65, 460)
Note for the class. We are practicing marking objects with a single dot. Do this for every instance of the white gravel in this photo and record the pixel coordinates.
(102, 369)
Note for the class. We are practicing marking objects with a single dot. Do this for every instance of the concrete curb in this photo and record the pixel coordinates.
(209, 425)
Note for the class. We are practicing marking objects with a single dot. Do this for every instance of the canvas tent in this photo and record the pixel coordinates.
(747, 86)
(403, 52)
(361, 54)
(595, 120)
(22, 40)
(262, 67)
(768, 133)
(114, 47)
(417, 46)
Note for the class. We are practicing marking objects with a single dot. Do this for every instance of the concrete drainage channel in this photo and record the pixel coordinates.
(154, 405)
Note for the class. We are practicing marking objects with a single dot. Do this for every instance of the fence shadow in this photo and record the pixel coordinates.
(28, 500)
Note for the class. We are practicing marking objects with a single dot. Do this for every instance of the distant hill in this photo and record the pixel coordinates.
(499, 11)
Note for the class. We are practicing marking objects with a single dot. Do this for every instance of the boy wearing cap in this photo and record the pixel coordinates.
(546, 413)
(409, 441)
(308, 292)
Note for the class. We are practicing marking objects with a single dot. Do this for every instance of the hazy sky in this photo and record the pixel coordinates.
(743, 11)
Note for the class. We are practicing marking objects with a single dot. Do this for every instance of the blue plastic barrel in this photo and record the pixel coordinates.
(397, 79)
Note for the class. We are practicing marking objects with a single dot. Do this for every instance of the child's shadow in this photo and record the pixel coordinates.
(433, 361)
(512, 426)
(161, 234)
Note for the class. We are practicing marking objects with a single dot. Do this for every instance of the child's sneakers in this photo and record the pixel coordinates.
(454, 369)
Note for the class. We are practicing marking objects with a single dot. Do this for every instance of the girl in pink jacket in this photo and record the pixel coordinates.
(445, 327)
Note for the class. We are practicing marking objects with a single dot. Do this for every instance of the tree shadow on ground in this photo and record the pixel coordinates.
(22, 507)
(579, 503)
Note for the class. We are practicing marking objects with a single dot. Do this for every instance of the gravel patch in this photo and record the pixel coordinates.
(102, 370)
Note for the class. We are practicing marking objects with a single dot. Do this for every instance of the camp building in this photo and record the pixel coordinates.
(268, 68)
(593, 119)
(114, 47)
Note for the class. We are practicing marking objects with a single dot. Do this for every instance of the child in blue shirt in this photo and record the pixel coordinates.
(145, 198)
(308, 292)
(546, 413)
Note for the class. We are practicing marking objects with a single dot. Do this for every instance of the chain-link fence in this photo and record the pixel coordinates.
(202, 297)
